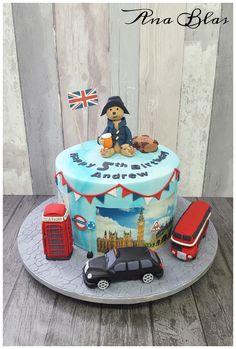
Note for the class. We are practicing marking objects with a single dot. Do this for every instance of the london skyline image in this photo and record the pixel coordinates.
(122, 221)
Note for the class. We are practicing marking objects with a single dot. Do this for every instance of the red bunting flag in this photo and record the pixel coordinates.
(63, 181)
(125, 192)
(158, 195)
(89, 198)
(177, 174)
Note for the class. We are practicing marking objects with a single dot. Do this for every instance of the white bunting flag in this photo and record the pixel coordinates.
(77, 196)
(66, 201)
(147, 199)
(112, 192)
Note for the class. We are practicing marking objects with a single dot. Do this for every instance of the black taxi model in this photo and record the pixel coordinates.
(127, 263)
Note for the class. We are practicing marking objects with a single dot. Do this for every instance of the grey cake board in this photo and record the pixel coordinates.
(66, 276)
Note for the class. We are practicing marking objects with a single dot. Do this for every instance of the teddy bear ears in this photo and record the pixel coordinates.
(114, 101)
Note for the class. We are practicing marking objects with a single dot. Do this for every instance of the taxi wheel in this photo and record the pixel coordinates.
(103, 284)
(147, 278)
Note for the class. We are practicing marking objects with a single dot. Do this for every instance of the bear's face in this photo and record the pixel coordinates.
(115, 113)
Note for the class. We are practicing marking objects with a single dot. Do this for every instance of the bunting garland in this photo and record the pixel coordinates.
(158, 195)
(63, 181)
(77, 196)
(177, 175)
(125, 192)
(69, 190)
(89, 198)
(113, 191)
(148, 199)
(136, 197)
(101, 198)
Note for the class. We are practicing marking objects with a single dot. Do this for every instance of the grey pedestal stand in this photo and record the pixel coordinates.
(66, 276)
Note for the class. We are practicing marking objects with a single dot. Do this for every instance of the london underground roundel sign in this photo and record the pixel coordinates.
(80, 222)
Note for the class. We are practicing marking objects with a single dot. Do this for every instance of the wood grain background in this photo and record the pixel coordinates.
(176, 82)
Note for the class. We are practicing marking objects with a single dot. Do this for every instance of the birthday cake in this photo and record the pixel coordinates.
(120, 201)
(118, 196)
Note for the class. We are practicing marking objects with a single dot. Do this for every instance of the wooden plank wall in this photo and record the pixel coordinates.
(171, 79)
(39, 86)
(16, 170)
(124, 60)
(220, 148)
(200, 52)
(161, 64)
(82, 46)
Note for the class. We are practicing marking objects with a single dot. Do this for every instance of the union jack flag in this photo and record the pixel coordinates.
(82, 98)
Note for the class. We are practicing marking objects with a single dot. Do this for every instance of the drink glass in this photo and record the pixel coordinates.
(107, 138)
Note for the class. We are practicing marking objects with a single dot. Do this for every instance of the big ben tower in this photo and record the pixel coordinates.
(140, 230)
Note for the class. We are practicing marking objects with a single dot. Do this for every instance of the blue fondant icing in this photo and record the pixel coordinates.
(80, 166)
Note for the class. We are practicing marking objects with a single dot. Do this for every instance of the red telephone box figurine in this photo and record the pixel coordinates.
(57, 232)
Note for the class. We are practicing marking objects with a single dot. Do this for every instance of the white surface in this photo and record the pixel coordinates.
(66, 276)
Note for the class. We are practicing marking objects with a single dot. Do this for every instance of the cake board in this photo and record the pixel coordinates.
(66, 277)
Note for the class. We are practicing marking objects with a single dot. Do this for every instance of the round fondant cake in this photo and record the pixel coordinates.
(120, 201)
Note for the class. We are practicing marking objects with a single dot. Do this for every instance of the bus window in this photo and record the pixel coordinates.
(177, 235)
(187, 238)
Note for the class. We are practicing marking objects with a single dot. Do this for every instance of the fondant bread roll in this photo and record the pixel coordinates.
(145, 143)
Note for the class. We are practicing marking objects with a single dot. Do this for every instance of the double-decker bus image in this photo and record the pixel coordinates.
(189, 230)
(57, 232)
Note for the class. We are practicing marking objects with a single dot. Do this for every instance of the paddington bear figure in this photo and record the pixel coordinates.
(117, 130)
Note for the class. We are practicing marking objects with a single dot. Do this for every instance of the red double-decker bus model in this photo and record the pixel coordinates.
(190, 229)
(57, 232)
